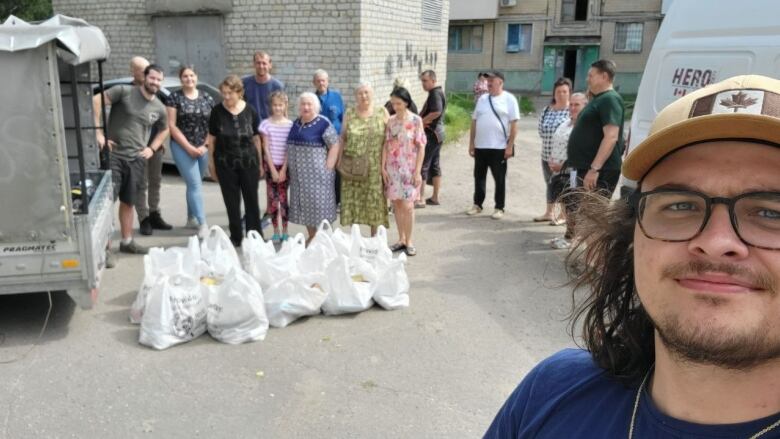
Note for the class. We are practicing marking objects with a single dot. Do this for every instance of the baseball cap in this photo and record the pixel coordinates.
(494, 74)
(742, 107)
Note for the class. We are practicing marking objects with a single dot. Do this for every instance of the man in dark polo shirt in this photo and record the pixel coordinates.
(134, 110)
(596, 142)
(433, 120)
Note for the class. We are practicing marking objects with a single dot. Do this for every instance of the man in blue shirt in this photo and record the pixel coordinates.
(682, 285)
(258, 87)
(331, 104)
(332, 107)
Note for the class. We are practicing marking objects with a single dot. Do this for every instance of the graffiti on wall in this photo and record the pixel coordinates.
(409, 58)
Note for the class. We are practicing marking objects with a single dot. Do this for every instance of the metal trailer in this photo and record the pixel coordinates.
(56, 207)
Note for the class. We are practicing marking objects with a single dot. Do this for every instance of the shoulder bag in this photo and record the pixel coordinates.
(354, 168)
(501, 122)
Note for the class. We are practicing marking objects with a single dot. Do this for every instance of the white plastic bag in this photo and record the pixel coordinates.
(175, 312)
(341, 241)
(218, 253)
(373, 250)
(295, 297)
(165, 262)
(269, 269)
(255, 249)
(351, 285)
(320, 251)
(236, 312)
(392, 286)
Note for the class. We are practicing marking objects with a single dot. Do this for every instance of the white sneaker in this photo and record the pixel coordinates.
(498, 214)
(192, 223)
(475, 210)
(203, 231)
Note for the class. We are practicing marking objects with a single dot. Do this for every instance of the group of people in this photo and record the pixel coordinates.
(582, 145)
(249, 136)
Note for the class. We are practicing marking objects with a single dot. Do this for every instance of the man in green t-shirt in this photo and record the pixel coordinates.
(596, 142)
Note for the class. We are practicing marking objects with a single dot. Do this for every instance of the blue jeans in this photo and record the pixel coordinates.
(192, 171)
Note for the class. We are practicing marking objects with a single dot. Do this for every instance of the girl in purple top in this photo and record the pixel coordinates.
(274, 131)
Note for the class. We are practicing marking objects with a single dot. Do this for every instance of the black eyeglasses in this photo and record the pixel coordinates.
(675, 215)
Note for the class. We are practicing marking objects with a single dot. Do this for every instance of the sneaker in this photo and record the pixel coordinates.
(475, 210)
(560, 243)
(276, 238)
(203, 231)
(285, 237)
(110, 259)
(192, 223)
(265, 221)
(498, 214)
(157, 222)
(132, 248)
(146, 227)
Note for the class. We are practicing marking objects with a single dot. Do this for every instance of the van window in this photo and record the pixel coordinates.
(684, 72)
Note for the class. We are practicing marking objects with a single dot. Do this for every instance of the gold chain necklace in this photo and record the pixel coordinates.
(636, 407)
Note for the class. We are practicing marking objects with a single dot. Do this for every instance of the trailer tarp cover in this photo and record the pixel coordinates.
(82, 41)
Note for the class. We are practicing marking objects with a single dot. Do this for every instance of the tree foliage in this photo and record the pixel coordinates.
(28, 10)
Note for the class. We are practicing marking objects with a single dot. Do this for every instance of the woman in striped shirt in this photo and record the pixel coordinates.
(274, 131)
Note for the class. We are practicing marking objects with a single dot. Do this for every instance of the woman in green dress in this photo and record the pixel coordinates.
(363, 134)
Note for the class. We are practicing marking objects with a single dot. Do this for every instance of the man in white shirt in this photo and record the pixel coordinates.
(491, 141)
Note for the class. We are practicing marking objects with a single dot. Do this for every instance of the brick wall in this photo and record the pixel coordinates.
(354, 40)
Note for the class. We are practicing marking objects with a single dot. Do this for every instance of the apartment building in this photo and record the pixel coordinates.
(534, 42)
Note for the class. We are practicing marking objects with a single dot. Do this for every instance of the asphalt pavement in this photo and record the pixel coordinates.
(487, 303)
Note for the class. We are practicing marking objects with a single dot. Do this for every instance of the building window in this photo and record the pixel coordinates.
(518, 37)
(574, 10)
(465, 39)
(628, 37)
(431, 14)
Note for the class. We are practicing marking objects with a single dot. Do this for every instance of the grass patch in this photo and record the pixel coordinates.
(457, 117)
(526, 106)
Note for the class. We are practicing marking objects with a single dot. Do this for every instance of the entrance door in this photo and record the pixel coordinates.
(572, 62)
(191, 39)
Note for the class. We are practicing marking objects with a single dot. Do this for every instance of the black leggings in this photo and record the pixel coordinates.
(238, 179)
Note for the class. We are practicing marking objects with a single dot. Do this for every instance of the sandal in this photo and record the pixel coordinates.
(410, 250)
(419, 205)
(542, 219)
(397, 247)
(430, 202)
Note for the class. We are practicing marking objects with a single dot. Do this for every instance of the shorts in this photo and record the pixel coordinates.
(430, 166)
(558, 184)
(127, 177)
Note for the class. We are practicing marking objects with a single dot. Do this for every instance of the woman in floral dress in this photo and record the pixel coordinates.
(402, 159)
(363, 134)
(312, 152)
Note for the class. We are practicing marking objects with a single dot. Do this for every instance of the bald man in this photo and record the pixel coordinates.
(147, 204)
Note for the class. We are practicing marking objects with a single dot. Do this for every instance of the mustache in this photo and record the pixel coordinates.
(760, 280)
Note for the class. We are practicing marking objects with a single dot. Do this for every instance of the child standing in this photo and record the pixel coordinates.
(274, 131)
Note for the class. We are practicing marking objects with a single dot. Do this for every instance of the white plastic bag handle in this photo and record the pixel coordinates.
(381, 232)
(325, 226)
(254, 235)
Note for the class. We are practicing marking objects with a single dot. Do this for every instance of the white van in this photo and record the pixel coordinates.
(701, 42)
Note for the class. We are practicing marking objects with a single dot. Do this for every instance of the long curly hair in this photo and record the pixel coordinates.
(615, 327)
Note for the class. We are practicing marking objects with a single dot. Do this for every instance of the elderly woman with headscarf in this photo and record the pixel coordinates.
(362, 198)
(312, 152)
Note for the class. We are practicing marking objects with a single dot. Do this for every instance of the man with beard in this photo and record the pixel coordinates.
(147, 204)
(681, 313)
(134, 110)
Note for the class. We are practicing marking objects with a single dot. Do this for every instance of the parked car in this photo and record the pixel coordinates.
(169, 85)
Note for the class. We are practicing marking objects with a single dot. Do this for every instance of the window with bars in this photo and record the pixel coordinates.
(465, 39)
(518, 37)
(628, 37)
(431, 14)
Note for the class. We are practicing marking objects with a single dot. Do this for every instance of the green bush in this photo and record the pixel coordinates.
(526, 106)
(457, 117)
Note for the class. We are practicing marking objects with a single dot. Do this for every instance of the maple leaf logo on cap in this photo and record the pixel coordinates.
(738, 100)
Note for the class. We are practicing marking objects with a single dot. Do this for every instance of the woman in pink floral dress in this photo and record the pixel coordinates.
(402, 158)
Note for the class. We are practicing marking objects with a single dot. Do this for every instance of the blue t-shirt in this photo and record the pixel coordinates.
(256, 94)
(569, 396)
(332, 107)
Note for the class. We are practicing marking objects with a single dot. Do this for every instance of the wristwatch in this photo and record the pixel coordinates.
(594, 169)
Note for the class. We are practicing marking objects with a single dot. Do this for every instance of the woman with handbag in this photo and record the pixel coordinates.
(312, 152)
(402, 159)
(552, 117)
(362, 197)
